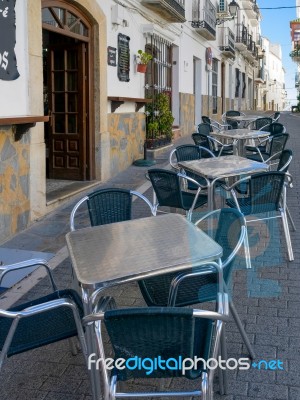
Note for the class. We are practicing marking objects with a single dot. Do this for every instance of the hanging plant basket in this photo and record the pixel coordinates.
(141, 68)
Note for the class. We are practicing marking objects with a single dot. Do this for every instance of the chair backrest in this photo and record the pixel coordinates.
(232, 113)
(150, 332)
(204, 129)
(261, 122)
(285, 160)
(226, 227)
(277, 144)
(201, 139)
(276, 116)
(206, 120)
(109, 205)
(106, 206)
(264, 192)
(188, 152)
(167, 187)
(275, 128)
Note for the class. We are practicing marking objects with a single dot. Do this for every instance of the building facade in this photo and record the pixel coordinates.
(77, 63)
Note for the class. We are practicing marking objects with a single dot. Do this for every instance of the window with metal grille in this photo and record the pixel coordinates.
(237, 82)
(159, 71)
(244, 85)
(215, 85)
(158, 87)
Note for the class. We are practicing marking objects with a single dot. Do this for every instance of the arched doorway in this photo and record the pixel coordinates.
(67, 91)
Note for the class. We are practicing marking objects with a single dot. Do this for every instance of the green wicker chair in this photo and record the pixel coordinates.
(42, 321)
(275, 146)
(157, 333)
(199, 285)
(189, 152)
(215, 124)
(266, 194)
(107, 206)
(274, 128)
(214, 145)
(168, 187)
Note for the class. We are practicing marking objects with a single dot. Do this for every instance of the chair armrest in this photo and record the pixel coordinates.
(188, 178)
(77, 205)
(208, 151)
(173, 165)
(142, 197)
(229, 188)
(5, 269)
(209, 268)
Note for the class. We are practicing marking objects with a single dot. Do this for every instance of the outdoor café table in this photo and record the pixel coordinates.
(107, 255)
(239, 138)
(244, 120)
(214, 169)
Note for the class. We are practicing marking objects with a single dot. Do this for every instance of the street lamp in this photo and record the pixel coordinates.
(233, 7)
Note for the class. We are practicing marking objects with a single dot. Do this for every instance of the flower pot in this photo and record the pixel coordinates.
(141, 68)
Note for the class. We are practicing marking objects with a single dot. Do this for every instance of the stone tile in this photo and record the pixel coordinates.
(268, 391)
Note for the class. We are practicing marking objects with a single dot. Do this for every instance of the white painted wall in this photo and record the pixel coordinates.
(14, 98)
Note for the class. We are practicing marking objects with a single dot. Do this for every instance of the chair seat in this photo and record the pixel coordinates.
(188, 199)
(253, 149)
(257, 157)
(193, 290)
(41, 329)
(247, 207)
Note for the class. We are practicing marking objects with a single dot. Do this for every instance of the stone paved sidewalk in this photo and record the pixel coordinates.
(266, 297)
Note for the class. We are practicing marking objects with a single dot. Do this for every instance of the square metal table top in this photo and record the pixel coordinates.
(241, 134)
(241, 118)
(125, 251)
(223, 167)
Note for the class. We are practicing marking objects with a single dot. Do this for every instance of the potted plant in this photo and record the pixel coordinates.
(142, 59)
(159, 122)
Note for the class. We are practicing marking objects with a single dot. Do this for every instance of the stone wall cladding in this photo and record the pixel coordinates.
(14, 184)
(187, 113)
(127, 137)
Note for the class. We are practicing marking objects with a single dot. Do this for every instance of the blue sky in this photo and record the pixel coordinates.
(275, 25)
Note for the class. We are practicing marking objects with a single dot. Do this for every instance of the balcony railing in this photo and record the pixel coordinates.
(227, 42)
(241, 37)
(260, 77)
(204, 18)
(170, 10)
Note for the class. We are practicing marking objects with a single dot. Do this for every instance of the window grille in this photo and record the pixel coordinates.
(244, 85)
(237, 82)
(158, 80)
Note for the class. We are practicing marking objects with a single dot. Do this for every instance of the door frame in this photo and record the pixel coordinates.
(90, 118)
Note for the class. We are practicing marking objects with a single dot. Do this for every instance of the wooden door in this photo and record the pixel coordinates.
(67, 107)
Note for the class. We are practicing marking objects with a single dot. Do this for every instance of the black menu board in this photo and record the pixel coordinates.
(123, 58)
(8, 62)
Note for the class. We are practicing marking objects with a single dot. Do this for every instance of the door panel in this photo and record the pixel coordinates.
(67, 136)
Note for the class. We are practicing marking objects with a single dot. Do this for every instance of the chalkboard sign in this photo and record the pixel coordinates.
(8, 62)
(123, 57)
(112, 56)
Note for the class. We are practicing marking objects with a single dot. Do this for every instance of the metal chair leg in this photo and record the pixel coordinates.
(247, 251)
(287, 235)
(241, 329)
(224, 357)
(290, 218)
